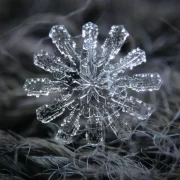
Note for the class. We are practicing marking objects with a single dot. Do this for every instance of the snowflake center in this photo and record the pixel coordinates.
(90, 87)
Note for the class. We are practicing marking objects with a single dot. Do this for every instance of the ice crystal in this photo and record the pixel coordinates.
(91, 84)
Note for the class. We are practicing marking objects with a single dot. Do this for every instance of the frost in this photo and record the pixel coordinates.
(91, 85)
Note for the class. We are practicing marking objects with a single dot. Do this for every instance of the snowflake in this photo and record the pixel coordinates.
(90, 82)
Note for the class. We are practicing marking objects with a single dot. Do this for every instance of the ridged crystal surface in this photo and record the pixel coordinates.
(92, 86)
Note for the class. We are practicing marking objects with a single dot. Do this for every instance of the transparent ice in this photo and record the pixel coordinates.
(91, 84)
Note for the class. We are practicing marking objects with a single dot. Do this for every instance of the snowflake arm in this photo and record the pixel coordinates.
(140, 82)
(51, 63)
(114, 42)
(94, 130)
(69, 127)
(89, 34)
(134, 107)
(132, 59)
(145, 82)
(120, 126)
(94, 126)
(51, 111)
(63, 41)
(43, 86)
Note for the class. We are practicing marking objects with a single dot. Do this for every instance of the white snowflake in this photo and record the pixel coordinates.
(90, 82)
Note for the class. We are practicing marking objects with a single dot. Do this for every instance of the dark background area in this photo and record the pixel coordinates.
(153, 25)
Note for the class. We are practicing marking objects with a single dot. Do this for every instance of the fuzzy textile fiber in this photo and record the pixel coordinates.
(149, 150)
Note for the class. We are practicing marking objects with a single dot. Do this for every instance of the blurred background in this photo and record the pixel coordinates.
(24, 26)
